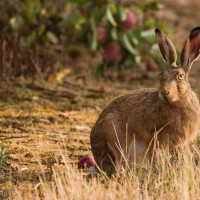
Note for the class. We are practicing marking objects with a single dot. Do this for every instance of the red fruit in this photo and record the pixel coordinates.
(112, 52)
(152, 66)
(86, 162)
(101, 34)
(129, 22)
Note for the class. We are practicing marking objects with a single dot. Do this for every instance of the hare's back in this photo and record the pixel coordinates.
(131, 102)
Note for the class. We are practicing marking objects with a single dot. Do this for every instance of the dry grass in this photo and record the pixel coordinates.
(46, 137)
(167, 178)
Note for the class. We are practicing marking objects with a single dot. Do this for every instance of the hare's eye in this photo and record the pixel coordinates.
(180, 76)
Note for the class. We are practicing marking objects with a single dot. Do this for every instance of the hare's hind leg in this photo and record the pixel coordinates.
(112, 135)
(110, 162)
(105, 158)
(104, 143)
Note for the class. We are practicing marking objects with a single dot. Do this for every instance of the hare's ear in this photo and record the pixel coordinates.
(191, 49)
(166, 48)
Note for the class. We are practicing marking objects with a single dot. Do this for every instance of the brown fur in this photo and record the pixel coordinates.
(129, 123)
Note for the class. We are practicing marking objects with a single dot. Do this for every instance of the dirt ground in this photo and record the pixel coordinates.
(39, 121)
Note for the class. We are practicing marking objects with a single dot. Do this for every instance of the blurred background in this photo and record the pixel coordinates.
(51, 40)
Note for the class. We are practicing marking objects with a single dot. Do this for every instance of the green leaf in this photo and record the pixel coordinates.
(154, 5)
(32, 10)
(93, 44)
(113, 34)
(41, 29)
(149, 6)
(134, 36)
(52, 37)
(150, 22)
(137, 34)
(110, 16)
(122, 13)
(149, 35)
(70, 20)
(127, 44)
(80, 2)
(99, 71)
(3, 155)
(134, 40)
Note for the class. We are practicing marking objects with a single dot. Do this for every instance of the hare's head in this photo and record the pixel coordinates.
(174, 80)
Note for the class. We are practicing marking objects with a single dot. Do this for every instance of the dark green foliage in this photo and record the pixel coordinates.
(3, 155)
(29, 25)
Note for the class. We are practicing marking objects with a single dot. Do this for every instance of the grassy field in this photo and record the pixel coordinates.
(46, 129)
(41, 127)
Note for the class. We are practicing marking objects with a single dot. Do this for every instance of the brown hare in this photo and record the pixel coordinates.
(128, 124)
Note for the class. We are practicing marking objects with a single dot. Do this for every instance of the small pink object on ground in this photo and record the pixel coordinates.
(86, 162)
